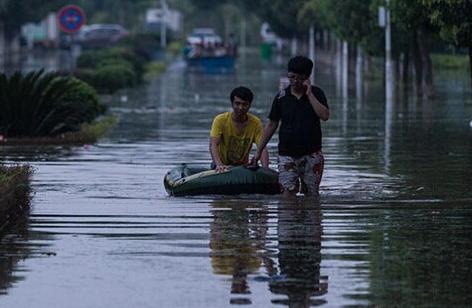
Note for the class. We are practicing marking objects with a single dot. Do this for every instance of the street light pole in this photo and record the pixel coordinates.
(388, 55)
(311, 43)
(163, 24)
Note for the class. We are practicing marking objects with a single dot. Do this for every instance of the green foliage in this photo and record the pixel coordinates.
(14, 13)
(15, 192)
(175, 48)
(281, 15)
(38, 104)
(91, 132)
(454, 19)
(110, 78)
(84, 100)
(450, 62)
(111, 69)
(96, 58)
(353, 20)
(155, 68)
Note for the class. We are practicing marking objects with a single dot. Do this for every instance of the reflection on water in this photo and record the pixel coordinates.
(392, 227)
(299, 235)
(237, 241)
(11, 252)
(283, 250)
(418, 268)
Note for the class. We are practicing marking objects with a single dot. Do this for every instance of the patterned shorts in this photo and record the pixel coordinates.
(302, 174)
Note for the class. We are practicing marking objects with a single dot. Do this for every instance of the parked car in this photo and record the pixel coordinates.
(100, 35)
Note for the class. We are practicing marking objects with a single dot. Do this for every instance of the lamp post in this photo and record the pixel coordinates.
(163, 23)
(388, 55)
(311, 43)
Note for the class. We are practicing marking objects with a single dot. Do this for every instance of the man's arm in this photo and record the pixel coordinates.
(269, 131)
(321, 110)
(265, 158)
(215, 155)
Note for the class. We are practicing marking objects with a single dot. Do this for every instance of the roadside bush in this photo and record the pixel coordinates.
(175, 48)
(450, 62)
(93, 65)
(84, 100)
(15, 192)
(44, 104)
(89, 59)
(109, 78)
(155, 68)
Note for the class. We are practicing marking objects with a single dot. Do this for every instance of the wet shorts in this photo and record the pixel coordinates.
(302, 173)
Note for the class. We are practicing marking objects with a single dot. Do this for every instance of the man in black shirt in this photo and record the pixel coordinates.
(298, 108)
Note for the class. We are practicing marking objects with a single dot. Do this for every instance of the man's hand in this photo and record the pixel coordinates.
(307, 85)
(255, 158)
(221, 168)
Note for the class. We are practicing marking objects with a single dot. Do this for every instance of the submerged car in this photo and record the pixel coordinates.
(100, 35)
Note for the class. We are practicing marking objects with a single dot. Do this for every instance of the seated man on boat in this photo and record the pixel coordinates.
(233, 133)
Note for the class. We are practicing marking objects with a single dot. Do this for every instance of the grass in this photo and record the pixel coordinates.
(14, 193)
(88, 134)
(175, 48)
(155, 68)
(450, 62)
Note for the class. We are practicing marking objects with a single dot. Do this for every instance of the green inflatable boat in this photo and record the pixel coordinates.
(190, 181)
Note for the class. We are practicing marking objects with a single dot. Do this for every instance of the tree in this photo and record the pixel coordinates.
(281, 15)
(454, 19)
(413, 17)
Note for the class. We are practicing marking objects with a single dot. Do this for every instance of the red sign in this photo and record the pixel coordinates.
(70, 18)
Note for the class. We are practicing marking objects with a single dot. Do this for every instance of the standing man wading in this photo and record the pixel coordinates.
(298, 108)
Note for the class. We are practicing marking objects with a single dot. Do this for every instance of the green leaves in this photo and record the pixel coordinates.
(44, 104)
(454, 20)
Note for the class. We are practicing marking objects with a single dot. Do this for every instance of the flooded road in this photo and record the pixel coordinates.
(393, 225)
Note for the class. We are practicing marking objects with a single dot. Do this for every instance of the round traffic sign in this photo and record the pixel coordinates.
(70, 18)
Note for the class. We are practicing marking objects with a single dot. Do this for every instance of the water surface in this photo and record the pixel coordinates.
(393, 225)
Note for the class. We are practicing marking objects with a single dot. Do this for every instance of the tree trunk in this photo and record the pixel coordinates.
(359, 77)
(325, 40)
(2, 48)
(427, 73)
(470, 65)
(417, 64)
(406, 68)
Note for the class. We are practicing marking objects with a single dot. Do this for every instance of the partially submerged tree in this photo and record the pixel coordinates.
(413, 17)
(454, 19)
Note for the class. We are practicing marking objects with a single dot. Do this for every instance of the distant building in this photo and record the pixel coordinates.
(44, 33)
(171, 18)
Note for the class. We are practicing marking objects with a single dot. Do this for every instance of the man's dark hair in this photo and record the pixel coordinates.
(243, 93)
(300, 65)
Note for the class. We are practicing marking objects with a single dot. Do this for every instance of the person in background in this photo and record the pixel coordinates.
(298, 108)
(233, 133)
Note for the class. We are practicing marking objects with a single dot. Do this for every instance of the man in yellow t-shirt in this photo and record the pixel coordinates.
(233, 133)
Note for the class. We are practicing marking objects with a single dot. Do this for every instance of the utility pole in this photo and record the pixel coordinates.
(388, 54)
(243, 32)
(311, 43)
(345, 71)
(2, 47)
(163, 24)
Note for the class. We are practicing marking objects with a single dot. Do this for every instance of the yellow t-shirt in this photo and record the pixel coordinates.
(235, 144)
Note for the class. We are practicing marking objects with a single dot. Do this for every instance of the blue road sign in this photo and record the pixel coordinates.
(70, 18)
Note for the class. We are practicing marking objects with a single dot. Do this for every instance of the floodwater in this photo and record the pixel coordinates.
(393, 226)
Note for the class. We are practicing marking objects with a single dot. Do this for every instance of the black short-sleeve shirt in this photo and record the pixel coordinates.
(300, 129)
